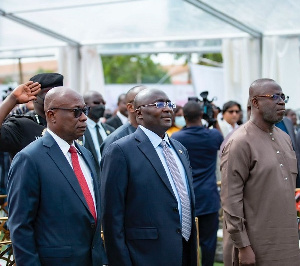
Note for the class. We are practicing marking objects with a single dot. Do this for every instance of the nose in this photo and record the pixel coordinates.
(167, 109)
(83, 117)
(281, 101)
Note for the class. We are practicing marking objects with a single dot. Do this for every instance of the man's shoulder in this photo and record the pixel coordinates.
(32, 148)
(108, 128)
(112, 119)
(20, 119)
(123, 131)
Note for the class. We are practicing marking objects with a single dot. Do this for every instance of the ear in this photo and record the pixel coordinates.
(50, 116)
(254, 102)
(130, 107)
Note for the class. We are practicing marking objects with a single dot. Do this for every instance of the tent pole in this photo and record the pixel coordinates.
(225, 18)
(20, 71)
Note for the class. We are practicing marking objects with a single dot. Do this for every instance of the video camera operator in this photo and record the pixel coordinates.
(210, 111)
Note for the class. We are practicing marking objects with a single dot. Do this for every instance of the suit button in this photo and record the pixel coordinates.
(175, 209)
(178, 231)
(93, 226)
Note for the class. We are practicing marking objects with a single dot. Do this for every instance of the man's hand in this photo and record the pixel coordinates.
(26, 92)
(246, 256)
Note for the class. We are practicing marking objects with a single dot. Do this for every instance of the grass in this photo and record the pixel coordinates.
(218, 264)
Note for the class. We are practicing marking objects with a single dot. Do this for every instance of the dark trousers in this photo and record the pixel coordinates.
(208, 227)
(186, 252)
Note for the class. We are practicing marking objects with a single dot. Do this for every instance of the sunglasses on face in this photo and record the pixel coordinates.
(159, 105)
(275, 97)
(77, 111)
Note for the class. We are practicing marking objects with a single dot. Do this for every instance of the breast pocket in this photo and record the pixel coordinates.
(142, 233)
(292, 162)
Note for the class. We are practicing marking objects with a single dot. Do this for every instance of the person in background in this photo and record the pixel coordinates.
(202, 145)
(291, 114)
(18, 131)
(231, 115)
(147, 192)
(53, 191)
(259, 170)
(107, 114)
(286, 125)
(121, 116)
(131, 125)
(178, 121)
(96, 132)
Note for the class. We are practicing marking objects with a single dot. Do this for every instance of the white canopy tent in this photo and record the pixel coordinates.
(256, 37)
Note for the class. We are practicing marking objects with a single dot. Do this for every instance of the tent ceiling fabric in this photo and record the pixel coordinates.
(135, 26)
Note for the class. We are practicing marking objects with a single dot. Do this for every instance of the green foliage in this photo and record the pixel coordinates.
(131, 69)
(41, 70)
(7, 80)
(214, 57)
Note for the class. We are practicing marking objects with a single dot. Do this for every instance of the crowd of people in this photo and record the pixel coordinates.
(144, 175)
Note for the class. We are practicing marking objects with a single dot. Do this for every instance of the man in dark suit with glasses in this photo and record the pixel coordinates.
(53, 191)
(147, 191)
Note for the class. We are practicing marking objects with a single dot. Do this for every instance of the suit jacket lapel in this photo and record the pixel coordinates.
(63, 165)
(184, 161)
(148, 150)
(89, 144)
(106, 129)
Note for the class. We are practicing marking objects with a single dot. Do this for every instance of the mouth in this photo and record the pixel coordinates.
(168, 119)
(281, 110)
(83, 128)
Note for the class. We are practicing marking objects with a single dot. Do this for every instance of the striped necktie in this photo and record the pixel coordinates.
(186, 219)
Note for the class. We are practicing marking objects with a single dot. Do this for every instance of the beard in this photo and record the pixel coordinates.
(272, 117)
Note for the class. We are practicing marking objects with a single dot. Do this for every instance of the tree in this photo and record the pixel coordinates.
(138, 69)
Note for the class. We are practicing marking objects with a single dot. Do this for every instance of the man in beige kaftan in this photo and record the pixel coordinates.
(259, 170)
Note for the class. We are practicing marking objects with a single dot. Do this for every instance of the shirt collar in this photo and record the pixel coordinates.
(230, 126)
(91, 124)
(154, 138)
(123, 118)
(63, 145)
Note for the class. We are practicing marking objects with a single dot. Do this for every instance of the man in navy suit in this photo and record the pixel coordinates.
(54, 197)
(148, 219)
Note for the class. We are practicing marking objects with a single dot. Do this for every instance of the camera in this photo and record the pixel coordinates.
(208, 107)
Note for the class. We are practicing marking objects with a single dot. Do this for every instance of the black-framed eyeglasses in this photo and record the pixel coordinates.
(77, 111)
(275, 97)
(159, 105)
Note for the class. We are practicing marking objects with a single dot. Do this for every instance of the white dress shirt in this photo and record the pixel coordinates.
(123, 118)
(92, 128)
(156, 141)
(64, 146)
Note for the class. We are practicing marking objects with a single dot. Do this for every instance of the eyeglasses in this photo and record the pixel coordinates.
(233, 111)
(275, 97)
(159, 105)
(77, 111)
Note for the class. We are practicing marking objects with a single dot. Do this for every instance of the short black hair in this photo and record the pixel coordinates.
(120, 97)
(192, 111)
(229, 104)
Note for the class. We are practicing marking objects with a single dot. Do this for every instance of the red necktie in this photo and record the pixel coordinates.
(82, 182)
